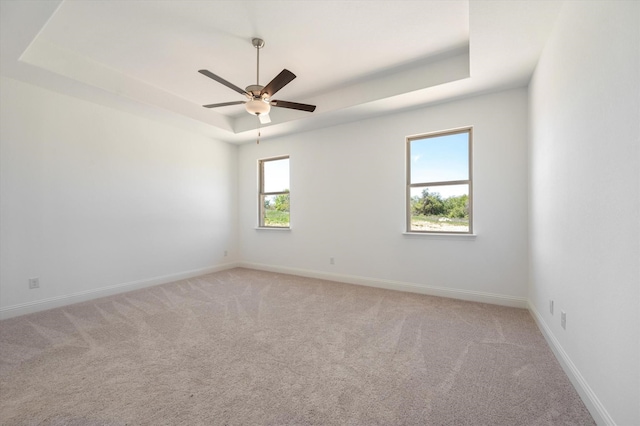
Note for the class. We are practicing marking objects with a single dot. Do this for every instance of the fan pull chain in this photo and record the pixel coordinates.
(258, 129)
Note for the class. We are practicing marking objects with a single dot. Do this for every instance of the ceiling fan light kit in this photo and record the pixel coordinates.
(259, 100)
(257, 106)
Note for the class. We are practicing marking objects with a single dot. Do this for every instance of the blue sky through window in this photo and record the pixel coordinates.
(441, 158)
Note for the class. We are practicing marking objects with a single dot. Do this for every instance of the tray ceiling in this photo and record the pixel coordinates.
(353, 59)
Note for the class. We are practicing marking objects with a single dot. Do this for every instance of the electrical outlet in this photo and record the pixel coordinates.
(226, 253)
(551, 306)
(563, 319)
(34, 282)
(332, 261)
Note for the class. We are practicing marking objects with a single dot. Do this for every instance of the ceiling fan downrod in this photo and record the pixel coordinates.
(258, 43)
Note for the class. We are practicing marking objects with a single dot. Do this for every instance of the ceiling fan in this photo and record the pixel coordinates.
(259, 100)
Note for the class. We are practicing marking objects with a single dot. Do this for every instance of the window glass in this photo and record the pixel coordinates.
(276, 175)
(274, 195)
(443, 158)
(439, 186)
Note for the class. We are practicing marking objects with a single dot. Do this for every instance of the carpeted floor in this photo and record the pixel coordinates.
(244, 347)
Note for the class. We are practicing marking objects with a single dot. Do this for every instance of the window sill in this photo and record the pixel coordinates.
(442, 235)
(272, 228)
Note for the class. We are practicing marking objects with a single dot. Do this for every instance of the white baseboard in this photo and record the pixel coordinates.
(473, 296)
(82, 296)
(591, 401)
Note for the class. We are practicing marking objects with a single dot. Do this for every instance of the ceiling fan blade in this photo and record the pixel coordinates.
(223, 104)
(278, 83)
(293, 105)
(223, 81)
(264, 118)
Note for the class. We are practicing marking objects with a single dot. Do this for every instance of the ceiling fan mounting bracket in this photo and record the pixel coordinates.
(258, 43)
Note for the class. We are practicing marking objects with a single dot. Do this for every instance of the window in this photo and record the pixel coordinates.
(274, 194)
(439, 185)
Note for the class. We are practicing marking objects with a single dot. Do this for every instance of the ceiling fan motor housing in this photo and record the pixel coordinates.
(255, 90)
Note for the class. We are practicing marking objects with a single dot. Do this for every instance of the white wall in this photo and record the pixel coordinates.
(94, 198)
(585, 201)
(348, 198)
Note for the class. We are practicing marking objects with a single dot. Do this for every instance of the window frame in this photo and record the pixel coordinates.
(262, 194)
(410, 185)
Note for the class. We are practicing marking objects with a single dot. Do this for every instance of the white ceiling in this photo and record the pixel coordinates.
(353, 59)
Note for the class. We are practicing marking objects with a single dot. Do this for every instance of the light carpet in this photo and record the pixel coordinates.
(245, 347)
